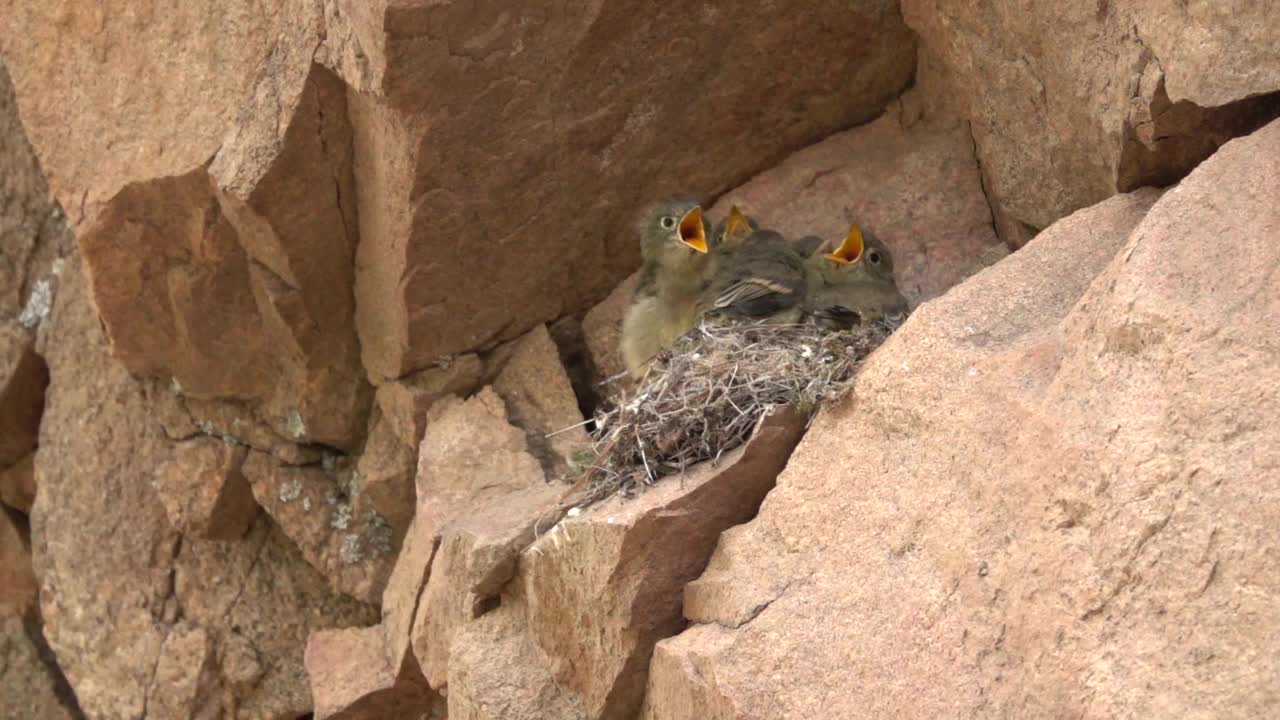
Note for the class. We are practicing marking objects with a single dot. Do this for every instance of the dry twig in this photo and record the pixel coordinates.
(712, 388)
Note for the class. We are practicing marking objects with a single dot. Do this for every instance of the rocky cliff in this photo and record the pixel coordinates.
(293, 295)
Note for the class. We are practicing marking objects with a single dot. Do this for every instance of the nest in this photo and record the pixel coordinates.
(714, 386)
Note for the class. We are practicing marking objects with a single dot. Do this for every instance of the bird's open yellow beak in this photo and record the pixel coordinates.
(850, 251)
(692, 232)
(736, 225)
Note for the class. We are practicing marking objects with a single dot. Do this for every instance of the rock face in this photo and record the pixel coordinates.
(18, 589)
(911, 180)
(471, 127)
(28, 222)
(1061, 125)
(351, 679)
(602, 328)
(226, 622)
(1088, 539)
(480, 492)
(23, 378)
(302, 303)
(244, 292)
(489, 124)
(539, 398)
(204, 490)
(591, 597)
(29, 682)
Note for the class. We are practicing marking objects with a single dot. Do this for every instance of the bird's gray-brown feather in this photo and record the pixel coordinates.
(760, 277)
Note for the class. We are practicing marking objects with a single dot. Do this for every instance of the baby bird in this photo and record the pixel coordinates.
(877, 263)
(807, 245)
(735, 228)
(759, 278)
(843, 293)
(673, 248)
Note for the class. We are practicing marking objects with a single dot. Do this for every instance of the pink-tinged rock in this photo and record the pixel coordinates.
(116, 579)
(481, 499)
(183, 417)
(470, 456)
(186, 683)
(29, 684)
(475, 469)
(1212, 53)
(917, 188)
(18, 588)
(1062, 125)
(1064, 481)
(18, 484)
(513, 154)
(172, 84)
(470, 453)
(404, 592)
(497, 673)
(203, 490)
(23, 377)
(234, 287)
(351, 680)
(540, 400)
(474, 561)
(404, 402)
(30, 225)
(315, 508)
(593, 595)
(384, 474)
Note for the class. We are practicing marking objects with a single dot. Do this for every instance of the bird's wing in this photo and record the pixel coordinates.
(837, 316)
(756, 296)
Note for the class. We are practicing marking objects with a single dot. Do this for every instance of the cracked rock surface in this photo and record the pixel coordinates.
(303, 304)
(140, 616)
(1051, 493)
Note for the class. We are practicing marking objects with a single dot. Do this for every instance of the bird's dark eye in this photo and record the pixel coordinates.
(873, 257)
(668, 222)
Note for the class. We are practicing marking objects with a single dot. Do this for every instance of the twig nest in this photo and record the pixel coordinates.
(708, 392)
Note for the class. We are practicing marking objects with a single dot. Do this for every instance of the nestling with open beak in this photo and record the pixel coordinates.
(877, 263)
(757, 278)
(844, 294)
(675, 260)
(735, 228)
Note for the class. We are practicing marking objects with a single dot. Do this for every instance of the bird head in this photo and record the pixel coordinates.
(737, 227)
(876, 258)
(673, 232)
(850, 251)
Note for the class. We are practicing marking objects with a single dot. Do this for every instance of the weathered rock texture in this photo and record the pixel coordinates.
(18, 484)
(540, 399)
(204, 491)
(913, 181)
(140, 616)
(512, 144)
(31, 231)
(481, 499)
(475, 130)
(244, 291)
(296, 232)
(1061, 498)
(30, 684)
(589, 599)
(1072, 101)
(23, 378)
(30, 228)
(17, 581)
(352, 680)
(29, 224)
